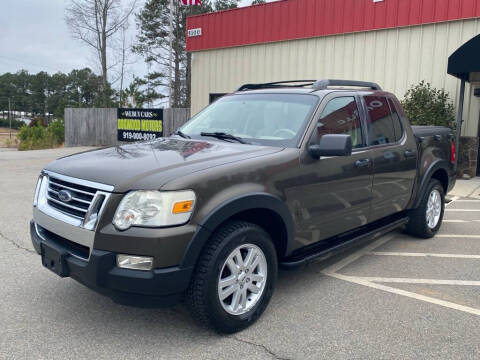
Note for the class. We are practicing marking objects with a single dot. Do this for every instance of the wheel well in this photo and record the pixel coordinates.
(442, 176)
(271, 222)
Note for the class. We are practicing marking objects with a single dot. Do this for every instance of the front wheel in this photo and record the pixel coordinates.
(234, 278)
(425, 221)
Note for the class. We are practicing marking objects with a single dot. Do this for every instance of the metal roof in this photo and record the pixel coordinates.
(299, 19)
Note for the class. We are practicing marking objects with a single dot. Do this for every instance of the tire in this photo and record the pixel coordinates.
(420, 223)
(205, 291)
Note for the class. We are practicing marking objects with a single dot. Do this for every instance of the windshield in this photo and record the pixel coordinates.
(260, 119)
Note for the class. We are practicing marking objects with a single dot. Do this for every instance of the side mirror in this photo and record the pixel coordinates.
(332, 145)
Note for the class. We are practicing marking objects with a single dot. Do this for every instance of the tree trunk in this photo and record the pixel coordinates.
(177, 80)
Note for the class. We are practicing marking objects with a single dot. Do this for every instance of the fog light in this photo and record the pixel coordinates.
(134, 262)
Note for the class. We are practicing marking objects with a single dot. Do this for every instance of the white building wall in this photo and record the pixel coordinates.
(394, 58)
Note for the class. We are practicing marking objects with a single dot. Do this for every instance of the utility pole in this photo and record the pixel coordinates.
(171, 57)
(10, 117)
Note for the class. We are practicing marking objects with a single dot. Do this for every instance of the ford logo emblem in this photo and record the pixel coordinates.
(65, 195)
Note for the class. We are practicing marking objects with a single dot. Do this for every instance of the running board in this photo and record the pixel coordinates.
(296, 261)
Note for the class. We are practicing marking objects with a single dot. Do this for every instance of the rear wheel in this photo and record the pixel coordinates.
(425, 221)
(234, 278)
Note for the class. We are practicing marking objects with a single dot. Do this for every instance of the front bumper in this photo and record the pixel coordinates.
(164, 286)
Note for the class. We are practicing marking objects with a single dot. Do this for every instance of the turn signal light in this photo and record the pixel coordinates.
(182, 207)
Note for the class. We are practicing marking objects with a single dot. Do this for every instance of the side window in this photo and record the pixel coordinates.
(215, 96)
(397, 124)
(340, 116)
(381, 123)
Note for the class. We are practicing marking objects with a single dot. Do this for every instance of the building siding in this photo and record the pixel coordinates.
(394, 58)
(297, 19)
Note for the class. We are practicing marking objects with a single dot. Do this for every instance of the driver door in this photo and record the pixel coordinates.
(334, 193)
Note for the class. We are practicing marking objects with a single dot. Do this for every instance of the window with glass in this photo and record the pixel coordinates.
(381, 120)
(261, 119)
(341, 116)
(397, 123)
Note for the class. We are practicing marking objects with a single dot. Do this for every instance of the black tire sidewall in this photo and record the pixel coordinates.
(222, 320)
(434, 185)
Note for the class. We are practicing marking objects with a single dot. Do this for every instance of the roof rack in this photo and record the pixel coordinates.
(315, 84)
(277, 84)
(324, 84)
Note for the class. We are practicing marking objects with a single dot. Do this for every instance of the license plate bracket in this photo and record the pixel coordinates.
(53, 258)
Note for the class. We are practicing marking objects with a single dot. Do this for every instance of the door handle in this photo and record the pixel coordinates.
(409, 153)
(362, 163)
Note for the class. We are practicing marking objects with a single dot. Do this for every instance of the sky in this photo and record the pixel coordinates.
(34, 37)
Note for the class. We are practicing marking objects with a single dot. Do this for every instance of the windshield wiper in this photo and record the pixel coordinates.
(224, 136)
(183, 135)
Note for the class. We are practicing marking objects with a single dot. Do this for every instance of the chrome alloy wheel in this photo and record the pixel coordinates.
(434, 208)
(242, 279)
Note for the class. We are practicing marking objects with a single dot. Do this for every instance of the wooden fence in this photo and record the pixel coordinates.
(95, 127)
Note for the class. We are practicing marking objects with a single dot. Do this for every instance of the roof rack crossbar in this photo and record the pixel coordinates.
(277, 84)
(324, 84)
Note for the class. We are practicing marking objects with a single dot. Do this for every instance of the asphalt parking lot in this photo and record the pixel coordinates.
(397, 297)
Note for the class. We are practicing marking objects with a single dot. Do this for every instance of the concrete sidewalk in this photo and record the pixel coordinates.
(467, 188)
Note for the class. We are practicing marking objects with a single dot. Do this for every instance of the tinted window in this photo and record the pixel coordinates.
(397, 124)
(260, 119)
(381, 124)
(215, 97)
(340, 116)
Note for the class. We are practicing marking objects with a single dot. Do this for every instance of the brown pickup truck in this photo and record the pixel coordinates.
(272, 175)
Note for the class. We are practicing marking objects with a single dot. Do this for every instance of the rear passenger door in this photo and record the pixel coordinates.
(394, 157)
(332, 195)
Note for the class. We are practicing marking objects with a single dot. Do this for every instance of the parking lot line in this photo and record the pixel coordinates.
(457, 236)
(394, 253)
(420, 281)
(463, 210)
(447, 304)
(460, 221)
(452, 200)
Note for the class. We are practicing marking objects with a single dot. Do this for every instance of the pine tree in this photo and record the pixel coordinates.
(153, 23)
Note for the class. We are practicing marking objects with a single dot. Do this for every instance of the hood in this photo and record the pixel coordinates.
(152, 163)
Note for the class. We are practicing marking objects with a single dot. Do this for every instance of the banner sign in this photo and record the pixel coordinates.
(139, 124)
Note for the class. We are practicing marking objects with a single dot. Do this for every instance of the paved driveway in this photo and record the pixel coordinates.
(398, 297)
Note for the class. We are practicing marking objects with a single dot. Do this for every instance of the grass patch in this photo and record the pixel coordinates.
(6, 141)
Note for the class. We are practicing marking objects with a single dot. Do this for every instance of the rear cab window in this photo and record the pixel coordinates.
(397, 122)
(384, 122)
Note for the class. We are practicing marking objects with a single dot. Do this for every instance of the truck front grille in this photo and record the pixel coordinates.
(81, 197)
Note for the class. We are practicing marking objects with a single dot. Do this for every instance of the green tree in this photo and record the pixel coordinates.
(226, 4)
(426, 105)
(39, 93)
(153, 23)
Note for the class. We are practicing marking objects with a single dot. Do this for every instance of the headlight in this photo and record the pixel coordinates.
(37, 190)
(154, 208)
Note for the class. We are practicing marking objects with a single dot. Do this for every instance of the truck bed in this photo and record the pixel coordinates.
(424, 131)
